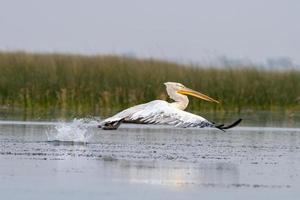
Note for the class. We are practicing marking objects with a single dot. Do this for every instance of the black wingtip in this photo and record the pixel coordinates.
(112, 125)
(223, 128)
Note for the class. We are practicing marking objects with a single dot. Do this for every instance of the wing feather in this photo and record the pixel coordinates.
(161, 112)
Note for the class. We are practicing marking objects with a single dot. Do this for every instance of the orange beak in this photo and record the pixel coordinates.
(199, 95)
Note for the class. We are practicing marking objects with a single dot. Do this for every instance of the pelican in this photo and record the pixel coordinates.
(162, 112)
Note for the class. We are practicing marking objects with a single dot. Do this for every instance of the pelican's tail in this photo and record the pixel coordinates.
(223, 128)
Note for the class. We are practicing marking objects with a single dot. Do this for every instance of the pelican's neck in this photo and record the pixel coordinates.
(181, 102)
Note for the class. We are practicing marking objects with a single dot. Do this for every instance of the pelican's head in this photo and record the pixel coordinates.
(176, 91)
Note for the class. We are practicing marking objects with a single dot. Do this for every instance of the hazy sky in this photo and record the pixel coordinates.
(190, 30)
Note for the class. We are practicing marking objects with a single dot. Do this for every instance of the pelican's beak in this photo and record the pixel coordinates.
(194, 93)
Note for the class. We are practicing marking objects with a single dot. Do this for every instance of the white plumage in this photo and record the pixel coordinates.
(162, 112)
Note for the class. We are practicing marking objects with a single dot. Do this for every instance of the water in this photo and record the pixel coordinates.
(76, 160)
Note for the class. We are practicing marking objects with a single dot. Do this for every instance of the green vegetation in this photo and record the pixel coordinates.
(76, 85)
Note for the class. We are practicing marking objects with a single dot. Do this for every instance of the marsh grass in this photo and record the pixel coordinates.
(75, 85)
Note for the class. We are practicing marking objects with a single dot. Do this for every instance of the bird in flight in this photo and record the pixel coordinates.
(165, 113)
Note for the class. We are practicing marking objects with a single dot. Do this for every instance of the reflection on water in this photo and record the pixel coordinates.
(177, 175)
(155, 155)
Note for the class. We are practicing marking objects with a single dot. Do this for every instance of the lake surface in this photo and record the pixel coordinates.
(147, 162)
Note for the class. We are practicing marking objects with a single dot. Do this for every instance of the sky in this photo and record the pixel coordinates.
(188, 31)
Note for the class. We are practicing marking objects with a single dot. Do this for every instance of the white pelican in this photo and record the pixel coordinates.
(162, 112)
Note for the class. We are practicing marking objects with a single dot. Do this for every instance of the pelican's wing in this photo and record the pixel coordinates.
(160, 112)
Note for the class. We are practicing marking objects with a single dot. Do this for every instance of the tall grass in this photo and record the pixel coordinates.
(101, 85)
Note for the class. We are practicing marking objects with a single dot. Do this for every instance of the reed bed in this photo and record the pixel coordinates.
(76, 85)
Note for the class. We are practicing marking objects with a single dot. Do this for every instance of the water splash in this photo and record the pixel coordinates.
(79, 130)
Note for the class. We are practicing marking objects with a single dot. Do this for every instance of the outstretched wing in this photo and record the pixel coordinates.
(159, 112)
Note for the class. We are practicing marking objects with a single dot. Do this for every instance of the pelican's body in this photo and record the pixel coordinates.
(162, 112)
